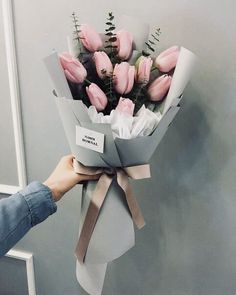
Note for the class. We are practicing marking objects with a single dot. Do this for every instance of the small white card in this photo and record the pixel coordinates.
(90, 139)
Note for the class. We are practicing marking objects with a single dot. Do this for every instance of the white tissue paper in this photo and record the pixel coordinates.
(126, 126)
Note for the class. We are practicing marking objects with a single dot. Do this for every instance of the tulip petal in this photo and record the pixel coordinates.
(69, 76)
(74, 70)
(97, 97)
(144, 65)
(168, 51)
(124, 44)
(130, 80)
(90, 39)
(125, 106)
(159, 88)
(102, 63)
(167, 60)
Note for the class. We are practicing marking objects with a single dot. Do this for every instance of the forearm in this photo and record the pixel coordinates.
(22, 211)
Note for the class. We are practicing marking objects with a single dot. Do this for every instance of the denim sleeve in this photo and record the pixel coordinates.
(23, 210)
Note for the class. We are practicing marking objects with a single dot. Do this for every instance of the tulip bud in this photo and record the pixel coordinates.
(124, 44)
(103, 64)
(90, 39)
(167, 60)
(97, 97)
(159, 88)
(125, 106)
(143, 69)
(123, 77)
(73, 69)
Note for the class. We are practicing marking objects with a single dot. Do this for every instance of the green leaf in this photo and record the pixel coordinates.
(145, 53)
(151, 42)
(112, 39)
(155, 38)
(109, 34)
(150, 47)
(110, 29)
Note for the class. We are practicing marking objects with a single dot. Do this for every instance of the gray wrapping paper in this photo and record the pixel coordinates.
(91, 277)
(114, 234)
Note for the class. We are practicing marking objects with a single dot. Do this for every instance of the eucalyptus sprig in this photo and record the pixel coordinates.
(77, 31)
(138, 94)
(151, 43)
(110, 33)
(110, 92)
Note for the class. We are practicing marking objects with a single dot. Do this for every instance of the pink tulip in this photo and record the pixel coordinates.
(103, 64)
(123, 77)
(73, 69)
(124, 44)
(97, 97)
(167, 60)
(143, 69)
(90, 38)
(159, 88)
(125, 106)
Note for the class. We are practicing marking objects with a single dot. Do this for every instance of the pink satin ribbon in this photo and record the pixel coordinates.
(99, 195)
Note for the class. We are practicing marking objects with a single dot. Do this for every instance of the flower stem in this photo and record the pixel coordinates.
(89, 82)
(154, 69)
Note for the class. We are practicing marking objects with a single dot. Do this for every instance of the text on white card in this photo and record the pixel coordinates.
(90, 139)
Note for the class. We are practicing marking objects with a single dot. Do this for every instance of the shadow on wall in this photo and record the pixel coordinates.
(184, 174)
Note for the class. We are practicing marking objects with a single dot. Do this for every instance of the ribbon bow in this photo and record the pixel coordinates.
(107, 175)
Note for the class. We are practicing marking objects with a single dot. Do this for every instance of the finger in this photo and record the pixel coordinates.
(90, 177)
(68, 161)
(68, 158)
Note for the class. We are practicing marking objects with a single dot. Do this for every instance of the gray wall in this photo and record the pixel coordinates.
(8, 171)
(189, 244)
(10, 285)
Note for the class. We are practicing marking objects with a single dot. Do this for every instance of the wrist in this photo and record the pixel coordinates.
(56, 195)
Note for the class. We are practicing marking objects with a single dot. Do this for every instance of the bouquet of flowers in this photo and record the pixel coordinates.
(116, 98)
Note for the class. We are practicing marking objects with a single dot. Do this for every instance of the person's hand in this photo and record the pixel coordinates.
(63, 178)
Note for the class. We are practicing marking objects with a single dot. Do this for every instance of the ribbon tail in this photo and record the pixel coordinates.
(95, 205)
(133, 205)
(134, 208)
(138, 172)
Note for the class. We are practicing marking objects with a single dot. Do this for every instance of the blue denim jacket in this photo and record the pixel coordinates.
(23, 210)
